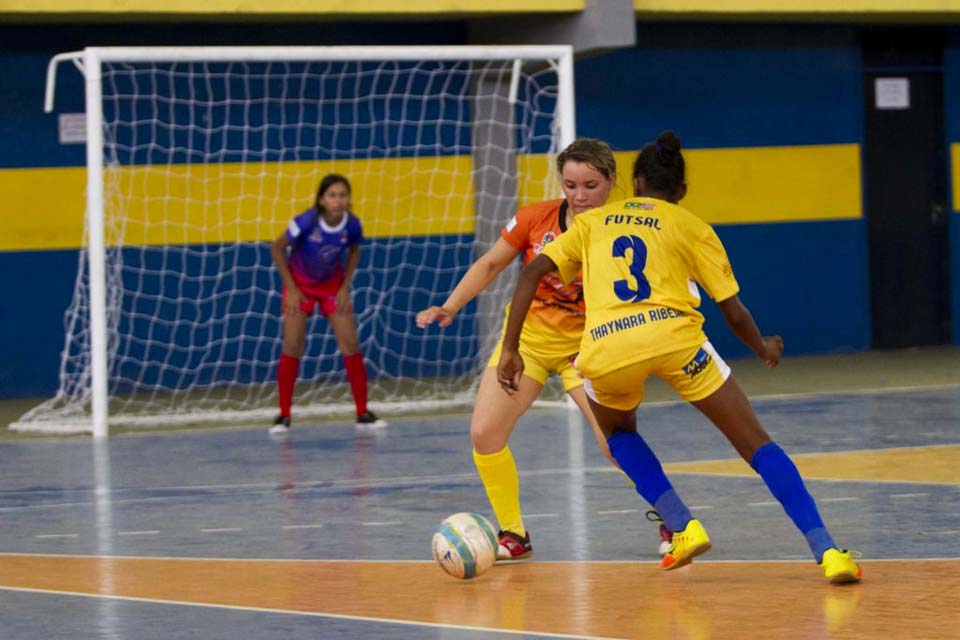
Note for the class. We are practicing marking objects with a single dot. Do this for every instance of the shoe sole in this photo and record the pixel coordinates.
(525, 556)
(509, 558)
(696, 551)
(845, 577)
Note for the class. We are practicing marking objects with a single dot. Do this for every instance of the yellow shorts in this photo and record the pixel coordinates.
(539, 364)
(693, 373)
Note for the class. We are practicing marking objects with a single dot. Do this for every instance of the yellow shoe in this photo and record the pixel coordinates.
(838, 567)
(686, 545)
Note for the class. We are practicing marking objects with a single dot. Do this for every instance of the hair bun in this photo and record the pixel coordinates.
(668, 146)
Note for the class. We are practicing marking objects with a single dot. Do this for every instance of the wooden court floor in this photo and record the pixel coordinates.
(227, 534)
(720, 600)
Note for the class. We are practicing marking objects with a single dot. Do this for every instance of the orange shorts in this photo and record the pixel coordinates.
(322, 294)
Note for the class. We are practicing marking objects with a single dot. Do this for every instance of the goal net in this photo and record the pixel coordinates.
(199, 157)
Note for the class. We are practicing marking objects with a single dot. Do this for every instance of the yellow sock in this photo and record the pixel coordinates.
(498, 472)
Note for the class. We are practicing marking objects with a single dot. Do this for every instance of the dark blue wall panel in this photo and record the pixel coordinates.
(804, 281)
(951, 92)
(715, 94)
(228, 325)
(37, 288)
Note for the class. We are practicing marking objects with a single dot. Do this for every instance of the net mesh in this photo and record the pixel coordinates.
(206, 162)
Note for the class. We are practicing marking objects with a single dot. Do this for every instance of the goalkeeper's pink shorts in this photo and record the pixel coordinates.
(322, 294)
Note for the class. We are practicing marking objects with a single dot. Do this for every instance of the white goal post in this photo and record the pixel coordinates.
(197, 157)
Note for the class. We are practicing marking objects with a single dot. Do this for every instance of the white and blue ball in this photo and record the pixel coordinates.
(465, 545)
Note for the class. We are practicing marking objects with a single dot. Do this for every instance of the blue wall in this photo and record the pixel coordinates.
(729, 87)
(751, 87)
(951, 91)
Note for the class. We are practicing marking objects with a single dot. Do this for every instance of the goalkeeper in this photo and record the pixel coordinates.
(551, 332)
(313, 276)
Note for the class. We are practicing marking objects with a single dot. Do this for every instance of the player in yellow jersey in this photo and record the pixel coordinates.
(642, 260)
(551, 331)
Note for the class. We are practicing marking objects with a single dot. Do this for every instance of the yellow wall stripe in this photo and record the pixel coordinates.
(330, 8)
(955, 174)
(375, 8)
(934, 465)
(773, 184)
(43, 208)
(796, 6)
(250, 202)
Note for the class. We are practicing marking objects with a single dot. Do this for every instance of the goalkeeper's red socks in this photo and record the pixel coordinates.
(287, 370)
(357, 375)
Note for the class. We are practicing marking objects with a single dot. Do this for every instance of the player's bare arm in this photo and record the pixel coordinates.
(480, 274)
(738, 317)
(344, 299)
(278, 250)
(510, 368)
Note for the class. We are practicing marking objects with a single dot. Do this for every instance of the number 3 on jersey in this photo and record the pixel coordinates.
(622, 287)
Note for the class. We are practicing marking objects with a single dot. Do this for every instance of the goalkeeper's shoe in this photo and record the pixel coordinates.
(839, 567)
(369, 420)
(281, 426)
(686, 545)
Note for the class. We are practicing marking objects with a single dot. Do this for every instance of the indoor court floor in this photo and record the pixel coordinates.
(227, 534)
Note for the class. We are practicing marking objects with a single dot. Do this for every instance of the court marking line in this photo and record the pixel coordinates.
(908, 495)
(221, 530)
(147, 532)
(801, 395)
(256, 488)
(905, 448)
(841, 499)
(812, 480)
(430, 562)
(802, 456)
(435, 479)
(313, 614)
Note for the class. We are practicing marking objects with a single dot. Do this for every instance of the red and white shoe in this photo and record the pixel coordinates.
(513, 546)
(666, 536)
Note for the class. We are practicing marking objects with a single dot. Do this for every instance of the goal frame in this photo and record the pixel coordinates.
(89, 62)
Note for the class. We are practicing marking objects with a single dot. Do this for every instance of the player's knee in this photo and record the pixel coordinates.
(293, 347)
(487, 438)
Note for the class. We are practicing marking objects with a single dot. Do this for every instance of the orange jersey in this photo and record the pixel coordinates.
(557, 308)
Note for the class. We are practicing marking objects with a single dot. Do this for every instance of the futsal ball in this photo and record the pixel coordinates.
(465, 545)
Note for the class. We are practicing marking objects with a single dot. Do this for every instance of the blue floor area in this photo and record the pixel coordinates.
(329, 492)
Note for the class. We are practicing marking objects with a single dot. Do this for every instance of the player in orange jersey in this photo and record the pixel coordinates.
(551, 331)
(640, 262)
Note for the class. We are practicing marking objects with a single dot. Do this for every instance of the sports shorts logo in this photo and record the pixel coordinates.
(700, 362)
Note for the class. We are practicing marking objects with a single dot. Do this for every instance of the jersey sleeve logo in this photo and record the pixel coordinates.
(512, 224)
(293, 229)
(548, 237)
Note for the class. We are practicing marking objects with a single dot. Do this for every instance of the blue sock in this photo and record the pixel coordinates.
(640, 463)
(784, 481)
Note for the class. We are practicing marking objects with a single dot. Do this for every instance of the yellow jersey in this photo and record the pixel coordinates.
(641, 261)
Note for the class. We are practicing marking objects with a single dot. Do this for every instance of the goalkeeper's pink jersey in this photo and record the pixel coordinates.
(317, 249)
